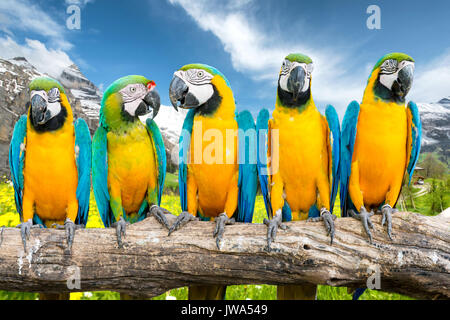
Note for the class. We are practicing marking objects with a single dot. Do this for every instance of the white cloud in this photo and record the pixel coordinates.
(26, 16)
(81, 3)
(50, 61)
(432, 80)
(260, 54)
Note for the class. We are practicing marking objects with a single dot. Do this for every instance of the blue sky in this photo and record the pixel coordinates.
(245, 39)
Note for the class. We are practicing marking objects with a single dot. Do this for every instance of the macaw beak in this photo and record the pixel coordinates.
(177, 92)
(39, 112)
(150, 104)
(404, 81)
(296, 82)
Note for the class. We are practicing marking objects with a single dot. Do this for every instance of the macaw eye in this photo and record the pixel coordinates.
(132, 89)
(200, 74)
(389, 66)
(53, 95)
(285, 67)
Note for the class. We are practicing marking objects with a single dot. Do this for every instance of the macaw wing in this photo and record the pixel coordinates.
(414, 138)
(262, 128)
(248, 176)
(100, 175)
(17, 160)
(333, 125)
(184, 145)
(83, 156)
(348, 137)
(160, 154)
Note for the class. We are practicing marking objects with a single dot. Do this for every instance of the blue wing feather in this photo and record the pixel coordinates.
(248, 176)
(17, 159)
(100, 175)
(184, 144)
(84, 164)
(347, 144)
(333, 124)
(262, 127)
(160, 153)
(416, 132)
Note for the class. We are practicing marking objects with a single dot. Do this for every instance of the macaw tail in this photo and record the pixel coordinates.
(358, 293)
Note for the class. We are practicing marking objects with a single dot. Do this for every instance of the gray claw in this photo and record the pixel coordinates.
(387, 211)
(25, 228)
(181, 220)
(328, 220)
(329, 223)
(70, 232)
(272, 228)
(160, 215)
(70, 228)
(221, 221)
(120, 226)
(1, 234)
(364, 216)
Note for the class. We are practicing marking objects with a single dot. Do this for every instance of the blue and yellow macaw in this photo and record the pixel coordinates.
(129, 159)
(50, 162)
(380, 142)
(298, 162)
(214, 181)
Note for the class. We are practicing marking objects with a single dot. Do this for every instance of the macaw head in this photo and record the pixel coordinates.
(294, 81)
(128, 98)
(48, 104)
(392, 77)
(198, 86)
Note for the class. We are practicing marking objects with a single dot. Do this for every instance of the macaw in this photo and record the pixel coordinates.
(129, 159)
(380, 142)
(221, 186)
(50, 162)
(298, 162)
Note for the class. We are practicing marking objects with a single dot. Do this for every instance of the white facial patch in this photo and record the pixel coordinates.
(198, 82)
(53, 100)
(389, 71)
(286, 69)
(132, 96)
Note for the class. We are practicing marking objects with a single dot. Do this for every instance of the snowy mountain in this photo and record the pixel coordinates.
(436, 127)
(83, 90)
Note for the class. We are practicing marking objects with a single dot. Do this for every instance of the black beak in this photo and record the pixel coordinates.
(38, 109)
(177, 92)
(151, 100)
(296, 81)
(404, 81)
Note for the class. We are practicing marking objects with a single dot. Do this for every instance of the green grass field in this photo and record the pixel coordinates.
(9, 217)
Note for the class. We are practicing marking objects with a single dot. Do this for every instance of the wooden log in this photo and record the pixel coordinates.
(416, 263)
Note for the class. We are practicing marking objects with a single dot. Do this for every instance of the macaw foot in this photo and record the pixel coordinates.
(387, 212)
(25, 228)
(120, 226)
(182, 220)
(328, 220)
(272, 228)
(1, 235)
(364, 216)
(221, 221)
(70, 228)
(160, 215)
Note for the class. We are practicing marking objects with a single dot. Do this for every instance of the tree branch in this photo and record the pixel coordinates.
(415, 263)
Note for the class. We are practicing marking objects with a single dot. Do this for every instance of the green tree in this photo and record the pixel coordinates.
(433, 167)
